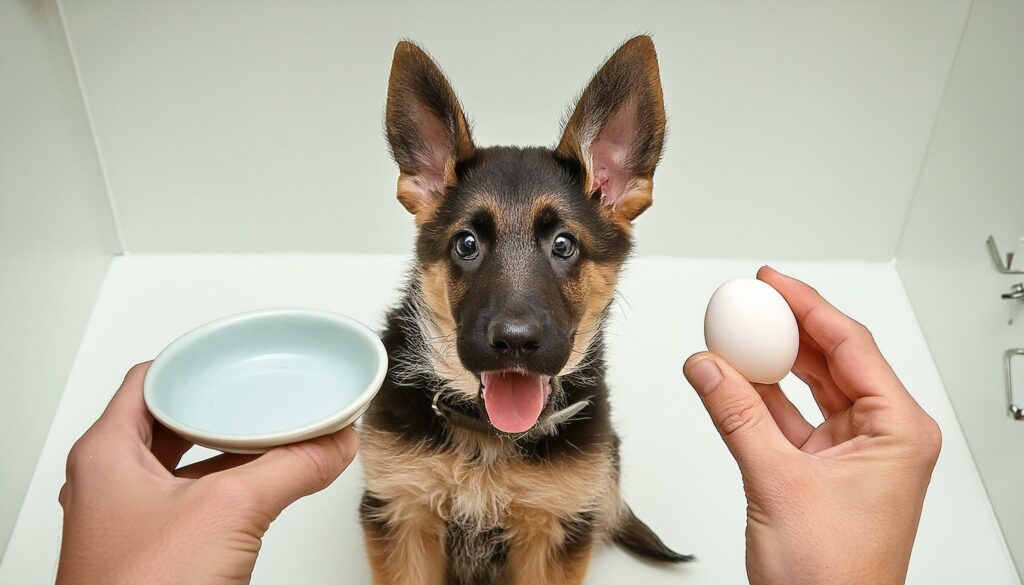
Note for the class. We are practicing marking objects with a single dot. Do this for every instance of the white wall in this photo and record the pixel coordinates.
(56, 235)
(241, 126)
(797, 132)
(972, 185)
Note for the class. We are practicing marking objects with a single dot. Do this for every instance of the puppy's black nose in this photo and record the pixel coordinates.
(514, 337)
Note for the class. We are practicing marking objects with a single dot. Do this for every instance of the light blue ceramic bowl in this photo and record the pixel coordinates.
(253, 381)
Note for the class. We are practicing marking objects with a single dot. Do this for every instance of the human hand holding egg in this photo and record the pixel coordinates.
(838, 503)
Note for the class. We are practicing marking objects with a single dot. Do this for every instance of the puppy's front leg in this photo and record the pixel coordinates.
(405, 543)
(550, 550)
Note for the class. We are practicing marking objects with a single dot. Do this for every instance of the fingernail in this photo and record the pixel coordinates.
(704, 376)
(346, 443)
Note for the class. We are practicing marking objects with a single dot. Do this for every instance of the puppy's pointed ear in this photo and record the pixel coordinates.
(426, 130)
(617, 129)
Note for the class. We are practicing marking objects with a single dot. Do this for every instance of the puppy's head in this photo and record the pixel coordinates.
(519, 248)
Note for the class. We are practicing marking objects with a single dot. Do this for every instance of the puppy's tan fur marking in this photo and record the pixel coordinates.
(529, 500)
(412, 553)
(486, 204)
(412, 195)
(596, 287)
(534, 556)
(582, 232)
(436, 282)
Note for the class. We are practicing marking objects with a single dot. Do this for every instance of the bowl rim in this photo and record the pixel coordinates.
(277, 437)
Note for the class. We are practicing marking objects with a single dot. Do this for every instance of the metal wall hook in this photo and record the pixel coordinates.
(1015, 411)
(997, 258)
(1016, 292)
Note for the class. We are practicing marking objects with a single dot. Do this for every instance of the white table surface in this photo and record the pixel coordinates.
(677, 474)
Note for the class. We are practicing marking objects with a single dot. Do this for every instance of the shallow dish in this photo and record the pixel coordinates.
(256, 380)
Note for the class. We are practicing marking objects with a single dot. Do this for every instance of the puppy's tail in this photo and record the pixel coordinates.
(638, 538)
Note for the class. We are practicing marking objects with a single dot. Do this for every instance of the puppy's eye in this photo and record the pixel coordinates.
(466, 247)
(564, 246)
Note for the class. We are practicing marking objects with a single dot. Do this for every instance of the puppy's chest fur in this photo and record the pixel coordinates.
(488, 509)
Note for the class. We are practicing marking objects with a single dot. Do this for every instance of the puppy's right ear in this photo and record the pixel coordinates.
(426, 130)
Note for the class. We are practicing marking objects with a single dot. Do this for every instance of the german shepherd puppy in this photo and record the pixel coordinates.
(489, 452)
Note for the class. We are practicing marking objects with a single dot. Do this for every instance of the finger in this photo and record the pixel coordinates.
(285, 474)
(855, 361)
(812, 368)
(168, 447)
(737, 410)
(126, 414)
(221, 462)
(792, 424)
(836, 431)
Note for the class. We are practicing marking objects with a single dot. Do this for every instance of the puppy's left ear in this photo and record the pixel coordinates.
(617, 129)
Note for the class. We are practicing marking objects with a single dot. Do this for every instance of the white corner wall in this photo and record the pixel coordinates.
(247, 126)
(972, 186)
(56, 235)
(797, 133)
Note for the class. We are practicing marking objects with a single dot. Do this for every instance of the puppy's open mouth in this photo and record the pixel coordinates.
(514, 399)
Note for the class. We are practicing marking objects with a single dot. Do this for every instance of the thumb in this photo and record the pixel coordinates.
(739, 413)
(285, 474)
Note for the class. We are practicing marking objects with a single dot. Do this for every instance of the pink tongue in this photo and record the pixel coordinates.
(514, 401)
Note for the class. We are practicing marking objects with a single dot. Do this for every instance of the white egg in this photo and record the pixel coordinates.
(750, 325)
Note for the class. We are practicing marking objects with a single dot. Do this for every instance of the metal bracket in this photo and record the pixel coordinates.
(1015, 411)
(1016, 292)
(997, 258)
